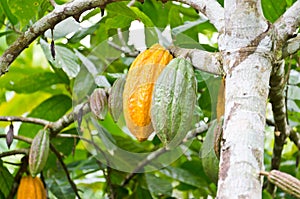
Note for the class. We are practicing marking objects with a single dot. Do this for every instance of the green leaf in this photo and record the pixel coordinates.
(6, 180)
(174, 17)
(119, 21)
(158, 186)
(209, 159)
(63, 28)
(273, 9)
(24, 10)
(119, 8)
(51, 109)
(157, 12)
(12, 18)
(65, 58)
(83, 32)
(35, 82)
(184, 176)
(140, 193)
(59, 186)
(142, 17)
(65, 145)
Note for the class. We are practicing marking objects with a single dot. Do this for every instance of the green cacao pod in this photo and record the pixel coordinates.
(115, 99)
(31, 188)
(209, 159)
(174, 100)
(138, 89)
(39, 151)
(98, 103)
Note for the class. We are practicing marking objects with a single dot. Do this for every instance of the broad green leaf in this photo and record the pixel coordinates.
(184, 176)
(208, 157)
(24, 10)
(142, 17)
(158, 186)
(120, 8)
(59, 186)
(140, 193)
(65, 58)
(63, 28)
(65, 145)
(83, 32)
(174, 17)
(35, 82)
(45, 6)
(12, 107)
(119, 21)
(11, 17)
(157, 12)
(273, 9)
(51, 109)
(6, 180)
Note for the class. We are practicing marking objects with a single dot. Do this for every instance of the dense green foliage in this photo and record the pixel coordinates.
(40, 87)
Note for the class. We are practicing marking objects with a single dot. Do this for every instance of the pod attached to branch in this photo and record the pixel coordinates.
(137, 95)
(39, 151)
(174, 101)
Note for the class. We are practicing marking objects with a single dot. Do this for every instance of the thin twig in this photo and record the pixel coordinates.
(295, 137)
(14, 152)
(53, 3)
(191, 134)
(18, 177)
(55, 127)
(24, 119)
(61, 161)
(19, 137)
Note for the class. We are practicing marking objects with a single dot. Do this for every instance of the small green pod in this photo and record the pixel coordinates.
(39, 151)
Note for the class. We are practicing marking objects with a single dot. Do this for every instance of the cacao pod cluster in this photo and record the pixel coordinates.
(158, 94)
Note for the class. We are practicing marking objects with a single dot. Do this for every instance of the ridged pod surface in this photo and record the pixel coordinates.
(98, 103)
(39, 151)
(115, 99)
(138, 89)
(173, 103)
(31, 188)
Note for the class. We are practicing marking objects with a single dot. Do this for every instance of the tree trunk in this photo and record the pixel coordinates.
(246, 49)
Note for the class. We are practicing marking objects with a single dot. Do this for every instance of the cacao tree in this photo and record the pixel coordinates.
(229, 87)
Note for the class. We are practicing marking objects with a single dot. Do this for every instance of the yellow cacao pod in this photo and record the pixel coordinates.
(137, 95)
(31, 188)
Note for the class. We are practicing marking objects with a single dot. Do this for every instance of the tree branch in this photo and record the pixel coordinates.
(24, 119)
(211, 9)
(14, 152)
(295, 137)
(291, 46)
(55, 127)
(200, 59)
(286, 26)
(68, 119)
(277, 99)
(74, 8)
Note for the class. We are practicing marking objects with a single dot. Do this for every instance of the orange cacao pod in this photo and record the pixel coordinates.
(137, 95)
(31, 188)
